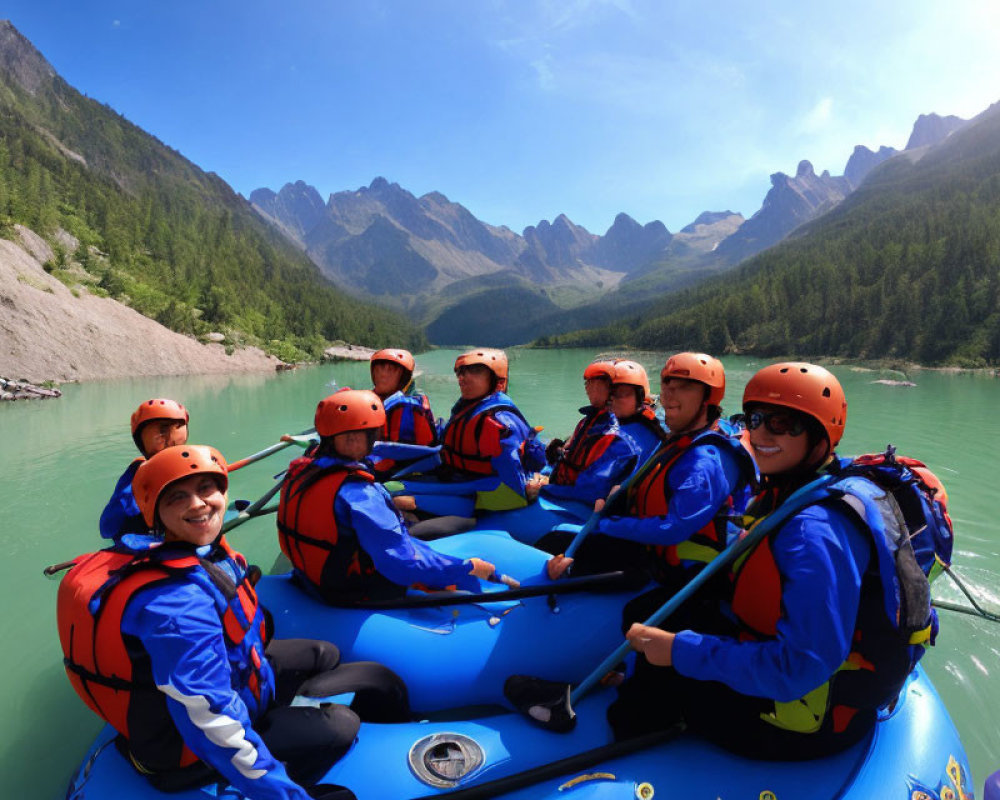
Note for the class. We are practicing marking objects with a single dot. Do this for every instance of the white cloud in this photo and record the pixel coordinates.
(818, 118)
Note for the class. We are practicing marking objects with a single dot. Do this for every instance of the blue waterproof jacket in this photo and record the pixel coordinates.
(698, 484)
(206, 680)
(821, 555)
(365, 510)
(121, 515)
(610, 468)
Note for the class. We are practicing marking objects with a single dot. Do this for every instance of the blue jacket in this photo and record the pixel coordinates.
(365, 510)
(121, 515)
(643, 434)
(699, 482)
(607, 470)
(821, 555)
(206, 680)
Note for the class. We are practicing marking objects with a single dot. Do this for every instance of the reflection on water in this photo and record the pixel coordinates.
(59, 460)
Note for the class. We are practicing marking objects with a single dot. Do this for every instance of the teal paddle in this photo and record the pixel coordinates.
(552, 704)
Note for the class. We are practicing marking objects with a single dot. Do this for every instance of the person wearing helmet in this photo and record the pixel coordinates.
(814, 650)
(340, 528)
(488, 448)
(584, 468)
(408, 416)
(166, 641)
(156, 424)
(597, 455)
(632, 405)
(676, 515)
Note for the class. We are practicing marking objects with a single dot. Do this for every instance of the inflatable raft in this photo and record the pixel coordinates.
(460, 655)
(913, 754)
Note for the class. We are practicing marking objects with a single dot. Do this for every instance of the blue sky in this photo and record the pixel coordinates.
(525, 109)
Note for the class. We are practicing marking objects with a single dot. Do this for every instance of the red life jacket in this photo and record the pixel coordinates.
(308, 533)
(471, 439)
(582, 450)
(875, 669)
(409, 420)
(111, 672)
(649, 496)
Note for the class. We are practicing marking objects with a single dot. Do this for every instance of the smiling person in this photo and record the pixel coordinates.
(166, 641)
(156, 424)
(340, 529)
(815, 650)
(677, 514)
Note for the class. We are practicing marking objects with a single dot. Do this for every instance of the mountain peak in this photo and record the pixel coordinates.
(932, 128)
(21, 61)
(805, 168)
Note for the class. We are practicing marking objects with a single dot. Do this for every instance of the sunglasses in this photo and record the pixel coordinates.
(780, 423)
(474, 369)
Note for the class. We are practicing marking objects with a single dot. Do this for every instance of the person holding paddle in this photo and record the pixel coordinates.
(816, 644)
(339, 527)
(676, 514)
(156, 424)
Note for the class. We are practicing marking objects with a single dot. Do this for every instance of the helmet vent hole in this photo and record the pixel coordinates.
(826, 392)
(343, 408)
(185, 454)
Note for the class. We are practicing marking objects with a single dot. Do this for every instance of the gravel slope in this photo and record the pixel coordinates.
(46, 333)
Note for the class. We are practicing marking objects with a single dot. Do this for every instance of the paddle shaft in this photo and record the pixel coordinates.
(267, 451)
(255, 509)
(595, 518)
(716, 565)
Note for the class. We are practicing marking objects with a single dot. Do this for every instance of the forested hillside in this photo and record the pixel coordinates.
(908, 267)
(154, 230)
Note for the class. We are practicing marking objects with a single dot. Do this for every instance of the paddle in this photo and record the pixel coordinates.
(254, 510)
(595, 518)
(550, 704)
(267, 451)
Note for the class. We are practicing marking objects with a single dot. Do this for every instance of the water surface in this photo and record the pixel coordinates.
(59, 461)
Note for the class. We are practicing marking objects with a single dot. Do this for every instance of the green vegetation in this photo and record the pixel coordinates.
(907, 268)
(156, 232)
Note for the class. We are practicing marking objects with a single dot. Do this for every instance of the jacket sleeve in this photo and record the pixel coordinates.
(121, 514)
(180, 629)
(698, 485)
(397, 555)
(507, 462)
(821, 556)
(598, 478)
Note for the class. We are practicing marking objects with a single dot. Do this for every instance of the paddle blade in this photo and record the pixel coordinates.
(545, 702)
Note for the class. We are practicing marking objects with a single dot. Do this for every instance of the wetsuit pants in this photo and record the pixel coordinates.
(309, 739)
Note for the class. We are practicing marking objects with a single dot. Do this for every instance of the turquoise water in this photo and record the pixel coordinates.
(61, 458)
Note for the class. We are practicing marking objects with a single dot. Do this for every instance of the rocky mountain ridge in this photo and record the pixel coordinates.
(383, 241)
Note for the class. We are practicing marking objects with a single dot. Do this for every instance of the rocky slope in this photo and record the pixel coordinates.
(49, 332)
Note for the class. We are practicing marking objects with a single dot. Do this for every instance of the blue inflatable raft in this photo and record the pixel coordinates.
(914, 754)
(460, 655)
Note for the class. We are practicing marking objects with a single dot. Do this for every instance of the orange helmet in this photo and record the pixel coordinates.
(600, 369)
(157, 408)
(632, 374)
(495, 360)
(803, 387)
(701, 368)
(349, 410)
(173, 464)
(395, 356)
